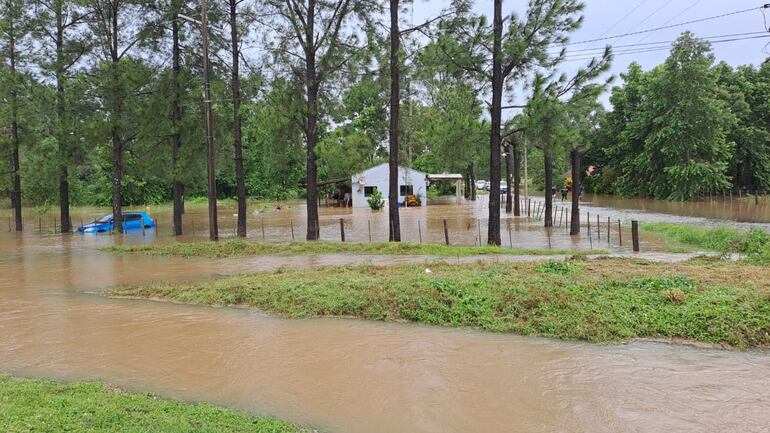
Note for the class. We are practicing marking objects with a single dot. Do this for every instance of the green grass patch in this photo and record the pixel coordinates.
(610, 300)
(754, 243)
(87, 407)
(244, 248)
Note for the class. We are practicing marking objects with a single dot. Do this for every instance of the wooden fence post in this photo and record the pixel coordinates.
(598, 228)
(620, 233)
(369, 224)
(419, 231)
(342, 229)
(588, 222)
(291, 223)
(635, 235)
(446, 232)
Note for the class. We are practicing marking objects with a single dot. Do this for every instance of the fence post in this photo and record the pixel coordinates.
(620, 234)
(609, 224)
(193, 226)
(635, 235)
(446, 232)
(478, 226)
(342, 229)
(598, 228)
(291, 223)
(40, 224)
(588, 222)
(263, 229)
(419, 231)
(369, 224)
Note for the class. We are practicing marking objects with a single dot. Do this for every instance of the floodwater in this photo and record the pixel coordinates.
(347, 376)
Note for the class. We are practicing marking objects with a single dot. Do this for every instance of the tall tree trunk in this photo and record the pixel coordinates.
(467, 181)
(395, 106)
(61, 125)
(15, 140)
(311, 126)
(237, 136)
(471, 182)
(574, 228)
(177, 188)
(548, 212)
(117, 116)
(509, 178)
(493, 229)
(516, 178)
(210, 147)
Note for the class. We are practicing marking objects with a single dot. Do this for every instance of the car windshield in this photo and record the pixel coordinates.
(104, 219)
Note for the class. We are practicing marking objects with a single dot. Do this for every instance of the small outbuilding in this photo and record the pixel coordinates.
(410, 182)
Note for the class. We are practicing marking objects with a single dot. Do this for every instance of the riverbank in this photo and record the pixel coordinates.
(245, 248)
(84, 407)
(601, 301)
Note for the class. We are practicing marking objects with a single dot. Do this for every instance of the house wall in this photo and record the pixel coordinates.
(378, 177)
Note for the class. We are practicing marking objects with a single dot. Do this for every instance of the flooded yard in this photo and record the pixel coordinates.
(350, 376)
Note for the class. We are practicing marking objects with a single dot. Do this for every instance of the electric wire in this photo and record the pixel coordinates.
(655, 29)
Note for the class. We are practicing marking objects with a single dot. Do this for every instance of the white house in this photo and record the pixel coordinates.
(410, 182)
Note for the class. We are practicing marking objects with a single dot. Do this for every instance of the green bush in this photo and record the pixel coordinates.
(376, 202)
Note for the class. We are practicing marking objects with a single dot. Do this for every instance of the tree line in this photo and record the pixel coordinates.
(121, 102)
(685, 129)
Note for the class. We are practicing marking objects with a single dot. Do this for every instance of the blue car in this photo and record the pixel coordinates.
(132, 221)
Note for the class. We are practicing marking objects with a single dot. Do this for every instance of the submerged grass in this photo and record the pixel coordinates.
(754, 243)
(244, 248)
(86, 407)
(610, 300)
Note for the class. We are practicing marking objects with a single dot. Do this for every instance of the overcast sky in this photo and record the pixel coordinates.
(604, 18)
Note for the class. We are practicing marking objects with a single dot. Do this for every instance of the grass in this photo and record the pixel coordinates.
(85, 407)
(244, 248)
(602, 301)
(753, 243)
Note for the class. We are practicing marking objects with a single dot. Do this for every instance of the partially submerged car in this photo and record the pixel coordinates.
(132, 221)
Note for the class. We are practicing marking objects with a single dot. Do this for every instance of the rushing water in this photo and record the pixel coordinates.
(348, 376)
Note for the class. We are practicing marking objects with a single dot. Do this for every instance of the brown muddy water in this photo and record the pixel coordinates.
(348, 376)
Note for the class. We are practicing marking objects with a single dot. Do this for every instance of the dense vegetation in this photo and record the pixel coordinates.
(686, 129)
(106, 102)
(87, 407)
(595, 300)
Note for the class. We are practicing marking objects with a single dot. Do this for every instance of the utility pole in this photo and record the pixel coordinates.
(210, 149)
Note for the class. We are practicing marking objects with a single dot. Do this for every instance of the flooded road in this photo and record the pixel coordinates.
(348, 376)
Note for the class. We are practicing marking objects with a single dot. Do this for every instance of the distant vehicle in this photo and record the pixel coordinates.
(131, 221)
(481, 184)
(503, 187)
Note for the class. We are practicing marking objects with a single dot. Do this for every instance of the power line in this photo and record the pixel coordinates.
(641, 32)
(663, 6)
(685, 10)
(642, 3)
(706, 38)
(586, 56)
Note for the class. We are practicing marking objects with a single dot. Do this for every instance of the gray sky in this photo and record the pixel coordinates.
(604, 18)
